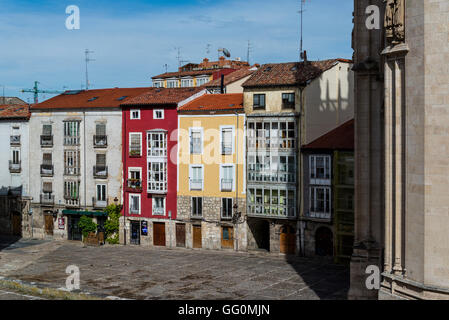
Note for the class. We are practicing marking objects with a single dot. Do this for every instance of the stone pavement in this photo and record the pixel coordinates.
(157, 273)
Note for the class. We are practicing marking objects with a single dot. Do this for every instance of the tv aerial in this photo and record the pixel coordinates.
(225, 52)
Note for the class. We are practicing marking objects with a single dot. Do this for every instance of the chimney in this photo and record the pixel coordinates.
(222, 84)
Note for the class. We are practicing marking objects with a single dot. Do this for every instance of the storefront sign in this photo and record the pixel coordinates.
(144, 228)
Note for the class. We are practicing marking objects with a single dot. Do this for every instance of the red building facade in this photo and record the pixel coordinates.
(150, 124)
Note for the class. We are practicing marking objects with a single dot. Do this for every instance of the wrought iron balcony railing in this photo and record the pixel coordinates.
(99, 204)
(134, 184)
(15, 166)
(46, 141)
(100, 141)
(196, 184)
(14, 140)
(47, 170)
(100, 171)
(47, 199)
(226, 184)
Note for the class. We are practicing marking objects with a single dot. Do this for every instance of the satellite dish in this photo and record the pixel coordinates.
(226, 52)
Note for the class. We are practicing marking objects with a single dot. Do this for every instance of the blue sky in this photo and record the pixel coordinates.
(132, 40)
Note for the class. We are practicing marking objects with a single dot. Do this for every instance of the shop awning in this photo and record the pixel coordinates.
(85, 213)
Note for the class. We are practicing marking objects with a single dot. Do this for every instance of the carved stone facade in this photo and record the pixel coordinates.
(402, 150)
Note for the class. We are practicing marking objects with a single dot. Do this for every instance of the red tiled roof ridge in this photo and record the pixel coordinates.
(342, 137)
(215, 102)
(14, 111)
(163, 96)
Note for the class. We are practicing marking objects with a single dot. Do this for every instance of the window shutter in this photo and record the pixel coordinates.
(101, 129)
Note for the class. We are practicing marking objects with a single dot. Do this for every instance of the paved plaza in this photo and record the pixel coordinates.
(157, 273)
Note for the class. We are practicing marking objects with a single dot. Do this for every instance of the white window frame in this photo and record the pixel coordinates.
(155, 113)
(130, 203)
(172, 81)
(222, 166)
(105, 191)
(201, 131)
(326, 214)
(232, 139)
(222, 208)
(131, 116)
(191, 208)
(189, 82)
(191, 176)
(139, 169)
(153, 205)
(318, 181)
(158, 83)
(129, 144)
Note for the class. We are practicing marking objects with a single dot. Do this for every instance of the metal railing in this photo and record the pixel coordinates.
(134, 152)
(158, 211)
(100, 171)
(72, 171)
(47, 170)
(71, 141)
(226, 184)
(134, 184)
(99, 203)
(196, 184)
(15, 166)
(100, 141)
(226, 148)
(47, 198)
(46, 141)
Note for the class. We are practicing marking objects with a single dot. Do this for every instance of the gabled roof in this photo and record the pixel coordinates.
(11, 100)
(16, 111)
(165, 96)
(215, 102)
(96, 98)
(341, 138)
(230, 78)
(290, 73)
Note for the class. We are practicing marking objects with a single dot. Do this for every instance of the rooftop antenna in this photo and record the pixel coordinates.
(301, 52)
(249, 51)
(208, 50)
(87, 59)
(166, 68)
(178, 57)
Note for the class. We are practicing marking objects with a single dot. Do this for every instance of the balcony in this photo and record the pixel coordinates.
(319, 215)
(134, 185)
(226, 148)
(100, 141)
(47, 170)
(71, 141)
(226, 184)
(15, 166)
(158, 212)
(47, 199)
(196, 184)
(133, 210)
(99, 204)
(14, 140)
(72, 201)
(46, 141)
(271, 211)
(72, 171)
(101, 172)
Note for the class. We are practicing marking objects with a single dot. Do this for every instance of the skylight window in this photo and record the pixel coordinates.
(122, 98)
(92, 99)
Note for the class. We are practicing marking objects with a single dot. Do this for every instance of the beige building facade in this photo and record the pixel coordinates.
(401, 130)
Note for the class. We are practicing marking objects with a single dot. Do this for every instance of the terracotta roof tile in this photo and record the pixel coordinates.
(215, 102)
(163, 96)
(96, 98)
(15, 111)
(230, 78)
(179, 74)
(290, 73)
(341, 138)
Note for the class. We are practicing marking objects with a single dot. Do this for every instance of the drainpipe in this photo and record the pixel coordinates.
(85, 162)
(236, 173)
(125, 175)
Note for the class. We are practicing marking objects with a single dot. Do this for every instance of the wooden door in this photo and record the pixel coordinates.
(227, 237)
(287, 240)
(49, 225)
(159, 234)
(16, 225)
(197, 239)
(180, 235)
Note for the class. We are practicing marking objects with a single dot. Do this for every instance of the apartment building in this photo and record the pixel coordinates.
(232, 82)
(287, 105)
(211, 165)
(197, 75)
(150, 124)
(328, 189)
(77, 147)
(14, 164)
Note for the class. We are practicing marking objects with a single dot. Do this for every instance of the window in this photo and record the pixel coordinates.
(320, 170)
(288, 101)
(259, 101)
(320, 202)
(197, 207)
(71, 190)
(196, 141)
(201, 81)
(135, 114)
(157, 176)
(46, 129)
(135, 146)
(101, 169)
(226, 208)
(47, 166)
(196, 178)
(271, 168)
(16, 156)
(71, 133)
(227, 141)
(172, 83)
(47, 187)
(158, 114)
(157, 161)
(46, 137)
(100, 139)
(134, 203)
(101, 192)
(71, 162)
(186, 83)
(134, 178)
(158, 84)
(227, 178)
(158, 206)
(273, 202)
